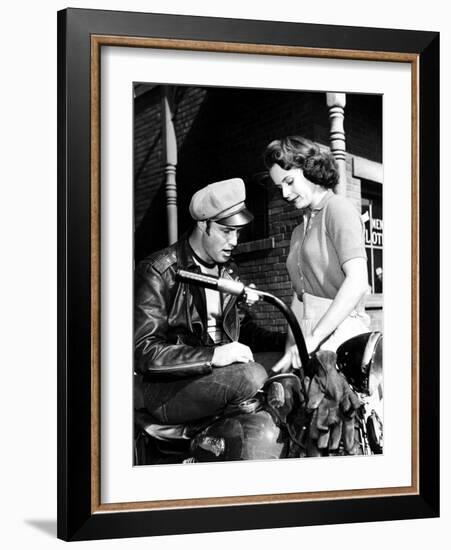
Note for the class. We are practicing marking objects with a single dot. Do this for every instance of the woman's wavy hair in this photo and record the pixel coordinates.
(297, 152)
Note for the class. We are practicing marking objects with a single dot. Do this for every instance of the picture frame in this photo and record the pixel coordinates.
(81, 36)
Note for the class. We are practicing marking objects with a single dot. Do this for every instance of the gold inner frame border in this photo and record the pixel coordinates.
(97, 41)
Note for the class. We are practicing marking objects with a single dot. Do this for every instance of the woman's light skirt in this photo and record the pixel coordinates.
(312, 310)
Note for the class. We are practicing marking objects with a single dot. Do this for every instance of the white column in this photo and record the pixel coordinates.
(170, 151)
(336, 104)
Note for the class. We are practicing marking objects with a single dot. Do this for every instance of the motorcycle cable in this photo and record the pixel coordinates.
(237, 288)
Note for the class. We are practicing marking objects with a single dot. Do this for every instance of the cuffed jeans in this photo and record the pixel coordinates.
(180, 401)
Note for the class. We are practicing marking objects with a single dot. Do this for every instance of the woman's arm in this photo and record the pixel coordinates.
(344, 226)
(352, 290)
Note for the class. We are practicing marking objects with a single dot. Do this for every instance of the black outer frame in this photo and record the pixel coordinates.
(75, 520)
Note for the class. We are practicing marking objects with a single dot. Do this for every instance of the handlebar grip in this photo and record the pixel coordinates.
(206, 281)
(228, 286)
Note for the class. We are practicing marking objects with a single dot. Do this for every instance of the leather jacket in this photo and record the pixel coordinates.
(171, 337)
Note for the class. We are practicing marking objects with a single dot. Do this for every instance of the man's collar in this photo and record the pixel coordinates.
(186, 258)
(200, 260)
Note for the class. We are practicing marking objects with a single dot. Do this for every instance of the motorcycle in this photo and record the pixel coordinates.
(278, 421)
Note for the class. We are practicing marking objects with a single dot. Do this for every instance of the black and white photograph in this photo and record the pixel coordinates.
(258, 274)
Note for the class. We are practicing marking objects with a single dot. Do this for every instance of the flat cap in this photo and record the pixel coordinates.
(221, 202)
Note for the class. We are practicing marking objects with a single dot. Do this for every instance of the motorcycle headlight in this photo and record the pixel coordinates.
(360, 360)
(375, 377)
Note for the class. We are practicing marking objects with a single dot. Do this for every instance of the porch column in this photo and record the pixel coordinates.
(170, 151)
(336, 104)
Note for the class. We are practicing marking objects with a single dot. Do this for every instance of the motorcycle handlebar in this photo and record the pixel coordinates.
(237, 288)
(229, 286)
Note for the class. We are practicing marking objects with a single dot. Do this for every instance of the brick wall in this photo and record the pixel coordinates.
(149, 169)
(222, 133)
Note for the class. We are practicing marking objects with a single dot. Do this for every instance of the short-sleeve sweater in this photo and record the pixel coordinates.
(331, 234)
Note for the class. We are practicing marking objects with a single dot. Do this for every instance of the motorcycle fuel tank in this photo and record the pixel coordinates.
(253, 436)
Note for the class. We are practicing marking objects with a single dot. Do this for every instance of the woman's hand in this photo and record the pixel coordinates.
(312, 343)
(291, 357)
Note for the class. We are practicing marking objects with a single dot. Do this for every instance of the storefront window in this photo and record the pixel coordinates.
(374, 230)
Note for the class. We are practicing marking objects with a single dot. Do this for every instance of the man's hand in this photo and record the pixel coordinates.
(231, 353)
(251, 297)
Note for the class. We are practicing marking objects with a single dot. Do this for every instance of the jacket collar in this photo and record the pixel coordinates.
(183, 250)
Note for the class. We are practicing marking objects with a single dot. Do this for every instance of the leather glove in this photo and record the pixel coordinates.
(286, 403)
(276, 395)
(283, 394)
(332, 402)
(326, 425)
(349, 406)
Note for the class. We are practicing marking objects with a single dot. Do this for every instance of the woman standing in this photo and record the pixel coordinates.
(327, 258)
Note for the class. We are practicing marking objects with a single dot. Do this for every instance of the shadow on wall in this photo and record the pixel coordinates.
(221, 133)
(151, 234)
(223, 138)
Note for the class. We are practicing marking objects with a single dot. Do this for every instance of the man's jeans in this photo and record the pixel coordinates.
(179, 401)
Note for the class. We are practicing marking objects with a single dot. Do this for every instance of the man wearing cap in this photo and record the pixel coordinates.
(186, 338)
